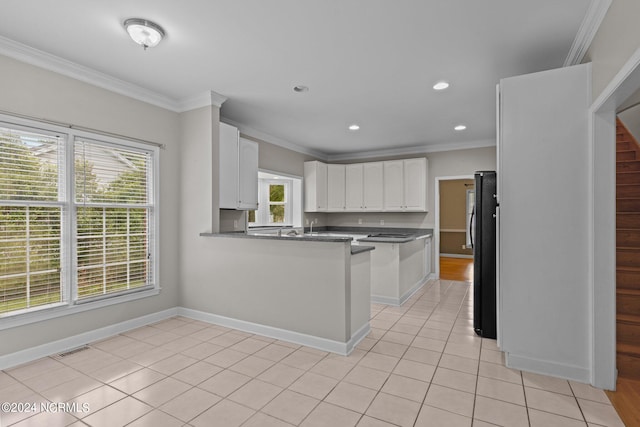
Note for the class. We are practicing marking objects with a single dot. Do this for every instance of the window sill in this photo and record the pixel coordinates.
(12, 321)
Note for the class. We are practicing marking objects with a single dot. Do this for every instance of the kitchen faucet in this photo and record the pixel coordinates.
(311, 230)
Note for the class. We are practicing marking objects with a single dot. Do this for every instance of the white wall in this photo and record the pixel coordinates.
(28, 90)
(614, 45)
(616, 40)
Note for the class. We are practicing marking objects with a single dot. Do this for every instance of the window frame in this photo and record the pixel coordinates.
(68, 241)
(263, 211)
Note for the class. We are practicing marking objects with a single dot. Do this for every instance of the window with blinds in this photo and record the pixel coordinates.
(31, 206)
(77, 218)
(113, 212)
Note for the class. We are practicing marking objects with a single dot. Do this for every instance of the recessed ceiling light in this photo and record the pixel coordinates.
(300, 88)
(441, 85)
(460, 127)
(354, 127)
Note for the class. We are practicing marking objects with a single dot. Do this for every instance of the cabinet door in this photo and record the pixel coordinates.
(427, 257)
(415, 184)
(228, 166)
(315, 186)
(372, 194)
(354, 187)
(321, 186)
(248, 174)
(335, 187)
(393, 185)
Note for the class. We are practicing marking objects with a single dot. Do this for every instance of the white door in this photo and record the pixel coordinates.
(393, 185)
(228, 167)
(415, 184)
(335, 187)
(248, 174)
(354, 191)
(372, 194)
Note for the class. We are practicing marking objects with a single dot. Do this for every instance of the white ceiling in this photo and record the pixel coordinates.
(371, 62)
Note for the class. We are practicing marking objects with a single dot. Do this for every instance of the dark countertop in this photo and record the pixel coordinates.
(355, 249)
(411, 235)
(358, 249)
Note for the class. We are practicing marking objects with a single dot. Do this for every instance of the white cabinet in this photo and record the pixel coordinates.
(373, 192)
(248, 174)
(415, 184)
(336, 188)
(364, 182)
(545, 190)
(427, 257)
(315, 186)
(392, 186)
(354, 190)
(405, 185)
(238, 170)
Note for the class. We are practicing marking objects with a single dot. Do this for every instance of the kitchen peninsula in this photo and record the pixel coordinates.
(311, 289)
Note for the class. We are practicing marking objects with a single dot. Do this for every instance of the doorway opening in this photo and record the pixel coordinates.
(455, 196)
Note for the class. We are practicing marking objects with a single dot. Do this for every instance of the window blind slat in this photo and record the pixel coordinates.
(30, 236)
(113, 241)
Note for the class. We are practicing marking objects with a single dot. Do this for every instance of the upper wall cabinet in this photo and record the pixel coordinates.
(315, 186)
(390, 186)
(405, 185)
(373, 191)
(238, 170)
(354, 187)
(336, 188)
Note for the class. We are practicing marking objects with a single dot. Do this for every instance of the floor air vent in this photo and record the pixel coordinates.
(73, 351)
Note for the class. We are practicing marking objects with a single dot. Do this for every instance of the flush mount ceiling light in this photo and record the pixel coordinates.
(145, 33)
(300, 88)
(460, 127)
(354, 127)
(440, 85)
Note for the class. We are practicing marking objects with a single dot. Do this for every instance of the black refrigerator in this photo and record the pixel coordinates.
(483, 226)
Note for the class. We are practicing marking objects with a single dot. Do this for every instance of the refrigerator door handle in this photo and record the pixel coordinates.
(473, 212)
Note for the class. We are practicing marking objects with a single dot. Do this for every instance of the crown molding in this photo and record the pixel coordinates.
(204, 99)
(262, 136)
(418, 149)
(587, 31)
(38, 58)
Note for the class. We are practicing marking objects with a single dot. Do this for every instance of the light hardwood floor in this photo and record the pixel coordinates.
(625, 399)
(460, 269)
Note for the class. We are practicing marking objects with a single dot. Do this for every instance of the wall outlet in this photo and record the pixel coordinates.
(235, 223)
(464, 246)
(306, 221)
(359, 220)
(382, 222)
(315, 220)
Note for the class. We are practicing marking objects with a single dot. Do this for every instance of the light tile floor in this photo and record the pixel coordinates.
(421, 365)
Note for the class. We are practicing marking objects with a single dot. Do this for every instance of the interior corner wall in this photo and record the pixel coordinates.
(199, 206)
(33, 91)
(615, 41)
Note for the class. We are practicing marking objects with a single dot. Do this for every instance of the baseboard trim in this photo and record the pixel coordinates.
(381, 299)
(30, 354)
(465, 256)
(545, 367)
(324, 344)
(357, 337)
